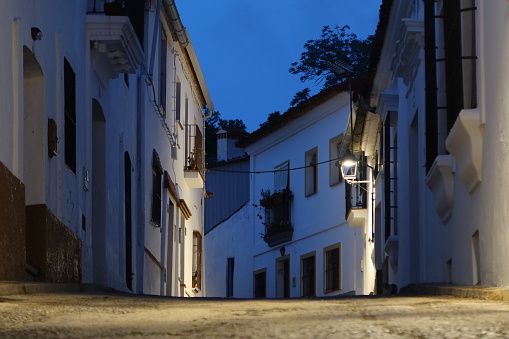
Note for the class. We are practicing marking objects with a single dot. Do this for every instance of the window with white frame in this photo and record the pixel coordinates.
(311, 177)
(282, 176)
(335, 176)
(332, 268)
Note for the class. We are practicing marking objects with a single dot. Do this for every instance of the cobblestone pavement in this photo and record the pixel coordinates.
(82, 315)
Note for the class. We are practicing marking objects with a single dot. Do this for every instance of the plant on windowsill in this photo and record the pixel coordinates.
(270, 201)
(274, 228)
(278, 227)
(192, 159)
(115, 8)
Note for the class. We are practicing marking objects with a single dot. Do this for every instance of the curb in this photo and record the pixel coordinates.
(10, 288)
(460, 291)
(15, 287)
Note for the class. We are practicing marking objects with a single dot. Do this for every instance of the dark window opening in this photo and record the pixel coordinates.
(70, 116)
(157, 173)
(229, 277)
(128, 222)
(136, 12)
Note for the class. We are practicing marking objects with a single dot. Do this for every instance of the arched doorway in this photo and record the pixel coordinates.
(99, 193)
(33, 129)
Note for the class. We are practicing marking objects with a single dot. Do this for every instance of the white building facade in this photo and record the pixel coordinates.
(103, 117)
(293, 238)
(444, 149)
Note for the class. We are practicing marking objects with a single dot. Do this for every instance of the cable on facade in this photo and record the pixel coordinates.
(272, 171)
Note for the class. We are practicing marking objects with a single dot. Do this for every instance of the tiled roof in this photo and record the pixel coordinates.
(293, 113)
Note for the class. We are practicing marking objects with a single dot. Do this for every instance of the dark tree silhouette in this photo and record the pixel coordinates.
(335, 44)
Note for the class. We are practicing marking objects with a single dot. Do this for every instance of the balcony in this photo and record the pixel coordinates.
(114, 46)
(194, 178)
(278, 227)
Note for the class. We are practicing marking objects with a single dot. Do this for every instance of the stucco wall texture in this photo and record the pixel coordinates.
(12, 226)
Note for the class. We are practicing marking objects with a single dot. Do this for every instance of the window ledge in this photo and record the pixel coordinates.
(279, 238)
(440, 181)
(465, 144)
(357, 217)
(194, 178)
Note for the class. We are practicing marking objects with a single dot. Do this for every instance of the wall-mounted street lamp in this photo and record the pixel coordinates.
(36, 33)
(349, 164)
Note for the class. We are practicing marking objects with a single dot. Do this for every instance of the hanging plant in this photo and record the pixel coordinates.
(270, 201)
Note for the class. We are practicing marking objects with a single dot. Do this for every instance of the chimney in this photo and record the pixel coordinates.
(226, 140)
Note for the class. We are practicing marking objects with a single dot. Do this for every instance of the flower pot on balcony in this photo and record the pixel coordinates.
(279, 238)
(115, 8)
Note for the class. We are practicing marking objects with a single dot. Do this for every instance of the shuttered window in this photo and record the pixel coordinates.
(282, 176)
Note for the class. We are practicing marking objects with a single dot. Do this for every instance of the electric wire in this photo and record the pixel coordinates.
(271, 171)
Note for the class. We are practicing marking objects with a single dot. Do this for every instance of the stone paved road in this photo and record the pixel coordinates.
(113, 315)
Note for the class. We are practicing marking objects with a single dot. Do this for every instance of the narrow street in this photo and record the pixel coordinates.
(83, 315)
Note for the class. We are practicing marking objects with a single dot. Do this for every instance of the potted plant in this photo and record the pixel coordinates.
(116, 7)
(192, 159)
(269, 200)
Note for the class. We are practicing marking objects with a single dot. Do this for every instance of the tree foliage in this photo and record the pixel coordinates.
(334, 44)
(232, 123)
(212, 125)
(300, 97)
(272, 118)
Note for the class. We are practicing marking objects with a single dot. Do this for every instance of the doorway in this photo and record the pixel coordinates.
(98, 193)
(283, 277)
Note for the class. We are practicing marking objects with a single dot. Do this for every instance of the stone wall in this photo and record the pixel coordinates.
(52, 249)
(12, 226)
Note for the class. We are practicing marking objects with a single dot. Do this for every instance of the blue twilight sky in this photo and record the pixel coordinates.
(245, 48)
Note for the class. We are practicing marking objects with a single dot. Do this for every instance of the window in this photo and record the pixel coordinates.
(335, 176)
(197, 249)
(70, 116)
(136, 11)
(162, 78)
(282, 176)
(229, 277)
(332, 268)
(450, 48)
(178, 93)
(157, 174)
(311, 177)
(194, 147)
(308, 275)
